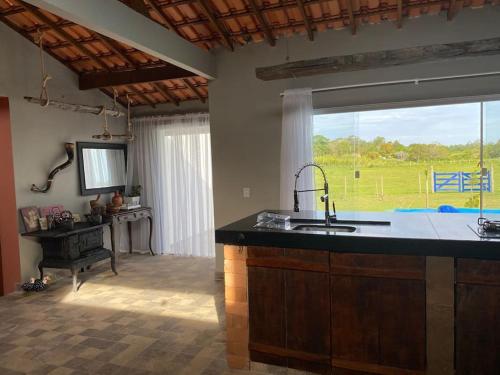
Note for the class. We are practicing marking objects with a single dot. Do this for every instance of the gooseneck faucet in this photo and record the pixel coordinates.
(324, 198)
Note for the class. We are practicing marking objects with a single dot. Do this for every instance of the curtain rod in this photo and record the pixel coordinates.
(415, 81)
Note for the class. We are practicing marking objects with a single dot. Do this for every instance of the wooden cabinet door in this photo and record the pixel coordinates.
(266, 305)
(477, 321)
(378, 313)
(308, 320)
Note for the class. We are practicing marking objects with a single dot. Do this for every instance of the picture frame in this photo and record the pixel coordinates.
(30, 216)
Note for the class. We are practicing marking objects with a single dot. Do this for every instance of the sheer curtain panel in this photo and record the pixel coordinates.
(172, 161)
(296, 147)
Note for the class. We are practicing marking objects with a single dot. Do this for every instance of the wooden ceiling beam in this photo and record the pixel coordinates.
(352, 20)
(63, 34)
(451, 9)
(133, 91)
(263, 23)
(165, 93)
(194, 90)
(127, 77)
(307, 23)
(216, 23)
(400, 13)
(163, 16)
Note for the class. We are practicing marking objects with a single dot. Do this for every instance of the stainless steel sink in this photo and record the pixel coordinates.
(324, 228)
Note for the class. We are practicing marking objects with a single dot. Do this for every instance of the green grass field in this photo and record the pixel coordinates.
(389, 184)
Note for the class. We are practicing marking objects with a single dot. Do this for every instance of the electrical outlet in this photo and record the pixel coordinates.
(246, 192)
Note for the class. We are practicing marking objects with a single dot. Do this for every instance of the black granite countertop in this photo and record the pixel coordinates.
(429, 234)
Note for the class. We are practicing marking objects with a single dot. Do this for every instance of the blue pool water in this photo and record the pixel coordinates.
(456, 210)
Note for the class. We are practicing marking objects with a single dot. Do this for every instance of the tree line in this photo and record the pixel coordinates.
(380, 148)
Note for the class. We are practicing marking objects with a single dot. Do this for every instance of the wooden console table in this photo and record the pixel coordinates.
(73, 249)
(128, 217)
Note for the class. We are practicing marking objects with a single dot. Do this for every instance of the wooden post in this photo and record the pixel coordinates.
(382, 187)
(426, 189)
(432, 179)
(345, 187)
(492, 178)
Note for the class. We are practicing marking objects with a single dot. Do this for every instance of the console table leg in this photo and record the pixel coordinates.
(129, 227)
(151, 235)
(113, 264)
(113, 232)
(74, 273)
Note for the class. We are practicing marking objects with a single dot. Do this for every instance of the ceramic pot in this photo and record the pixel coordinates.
(117, 199)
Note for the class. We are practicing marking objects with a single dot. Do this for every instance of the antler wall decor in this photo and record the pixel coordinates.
(70, 151)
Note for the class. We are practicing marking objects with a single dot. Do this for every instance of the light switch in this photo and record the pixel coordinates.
(246, 192)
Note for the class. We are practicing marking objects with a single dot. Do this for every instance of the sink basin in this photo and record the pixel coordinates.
(324, 228)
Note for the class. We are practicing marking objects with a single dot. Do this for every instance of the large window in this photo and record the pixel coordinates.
(409, 159)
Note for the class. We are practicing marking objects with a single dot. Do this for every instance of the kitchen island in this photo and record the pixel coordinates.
(418, 296)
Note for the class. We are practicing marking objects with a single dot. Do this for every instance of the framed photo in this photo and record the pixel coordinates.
(30, 217)
(54, 210)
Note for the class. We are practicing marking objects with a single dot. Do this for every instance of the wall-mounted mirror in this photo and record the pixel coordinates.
(102, 167)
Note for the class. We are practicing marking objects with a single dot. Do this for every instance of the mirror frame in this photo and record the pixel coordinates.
(80, 146)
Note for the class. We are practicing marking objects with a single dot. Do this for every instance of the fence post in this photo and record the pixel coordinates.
(492, 178)
(432, 177)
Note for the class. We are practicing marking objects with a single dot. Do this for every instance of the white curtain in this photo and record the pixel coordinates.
(172, 161)
(296, 148)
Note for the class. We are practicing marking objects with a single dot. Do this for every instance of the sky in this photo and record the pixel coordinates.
(445, 124)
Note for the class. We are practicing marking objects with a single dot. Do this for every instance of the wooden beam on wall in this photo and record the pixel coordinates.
(265, 27)
(105, 79)
(380, 59)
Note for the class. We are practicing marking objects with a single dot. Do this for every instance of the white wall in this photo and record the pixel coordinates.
(39, 133)
(245, 112)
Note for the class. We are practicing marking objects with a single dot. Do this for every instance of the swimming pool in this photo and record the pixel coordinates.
(461, 210)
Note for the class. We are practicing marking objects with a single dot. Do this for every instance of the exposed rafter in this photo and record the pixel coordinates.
(400, 14)
(307, 23)
(165, 93)
(133, 91)
(352, 20)
(119, 22)
(63, 34)
(161, 13)
(451, 9)
(265, 27)
(216, 23)
(194, 90)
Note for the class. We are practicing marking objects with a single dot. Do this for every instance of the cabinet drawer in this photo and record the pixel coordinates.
(294, 259)
(377, 265)
(475, 271)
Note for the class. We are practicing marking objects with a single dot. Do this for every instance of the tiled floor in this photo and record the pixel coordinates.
(161, 315)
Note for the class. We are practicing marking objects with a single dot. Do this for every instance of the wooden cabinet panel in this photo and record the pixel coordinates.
(402, 323)
(477, 323)
(378, 321)
(378, 265)
(354, 319)
(308, 319)
(266, 302)
(475, 271)
(293, 259)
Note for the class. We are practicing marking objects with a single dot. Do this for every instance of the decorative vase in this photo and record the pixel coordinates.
(117, 199)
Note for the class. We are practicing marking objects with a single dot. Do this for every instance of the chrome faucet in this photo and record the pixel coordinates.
(324, 198)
